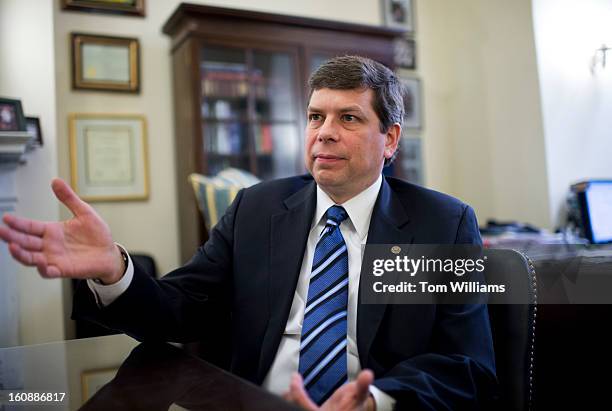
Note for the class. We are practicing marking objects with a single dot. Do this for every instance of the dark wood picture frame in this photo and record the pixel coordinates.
(399, 14)
(33, 124)
(404, 53)
(79, 65)
(132, 8)
(413, 102)
(11, 107)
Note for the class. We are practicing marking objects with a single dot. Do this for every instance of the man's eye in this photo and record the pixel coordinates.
(349, 117)
(314, 117)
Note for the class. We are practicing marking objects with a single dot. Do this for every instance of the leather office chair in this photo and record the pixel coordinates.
(86, 329)
(513, 325)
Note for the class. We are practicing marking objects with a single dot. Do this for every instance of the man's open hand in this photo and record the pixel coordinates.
(354, 395)
(81, 247)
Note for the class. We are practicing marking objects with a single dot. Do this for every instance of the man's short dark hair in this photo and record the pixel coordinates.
(355, 72)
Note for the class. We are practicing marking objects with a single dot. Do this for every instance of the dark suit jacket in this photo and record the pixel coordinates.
(425, 356)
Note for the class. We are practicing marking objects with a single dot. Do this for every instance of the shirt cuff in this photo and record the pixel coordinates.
(106, 294)
(384, 402)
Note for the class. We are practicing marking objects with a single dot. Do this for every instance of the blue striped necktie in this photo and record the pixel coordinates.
(323, 358)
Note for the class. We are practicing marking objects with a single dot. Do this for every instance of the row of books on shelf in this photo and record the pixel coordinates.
(215, 70)
(224, 139)
(236, 110)
(227, 139)
(223, 109)
(231, 80)
(264, 143)
(233, 89)
(224, 88)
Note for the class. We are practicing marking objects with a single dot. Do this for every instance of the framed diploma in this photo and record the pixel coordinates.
(93, 380)
(105, 63)
(108, 157)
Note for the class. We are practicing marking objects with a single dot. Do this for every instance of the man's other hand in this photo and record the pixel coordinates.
(354, 395)
(81, 247)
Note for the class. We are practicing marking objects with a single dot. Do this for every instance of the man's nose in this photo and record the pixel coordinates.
(328, 130)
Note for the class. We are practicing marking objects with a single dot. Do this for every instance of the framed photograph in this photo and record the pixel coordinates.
(411, 159)
(33, 126)
(105, 63)
(92, 381)
(399, 13)
(128, 7)
(412, 103)
(108, 157)
(404, 53)
(11, 115)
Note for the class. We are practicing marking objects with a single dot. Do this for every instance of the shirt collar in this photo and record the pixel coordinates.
(358, 208)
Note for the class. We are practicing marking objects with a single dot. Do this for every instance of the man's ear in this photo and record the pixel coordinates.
(392, 140)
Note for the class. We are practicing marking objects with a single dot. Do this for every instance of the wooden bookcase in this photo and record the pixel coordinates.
(240, 90)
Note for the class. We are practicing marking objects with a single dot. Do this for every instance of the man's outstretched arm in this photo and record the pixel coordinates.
(82, 247)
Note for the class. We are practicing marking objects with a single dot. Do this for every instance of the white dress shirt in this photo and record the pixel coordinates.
(355, 232)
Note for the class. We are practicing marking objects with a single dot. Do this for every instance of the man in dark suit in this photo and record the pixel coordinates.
(282, 269)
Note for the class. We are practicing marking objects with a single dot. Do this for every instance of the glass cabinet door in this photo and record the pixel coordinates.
(276, 125)
(224, 76)
(250, 109)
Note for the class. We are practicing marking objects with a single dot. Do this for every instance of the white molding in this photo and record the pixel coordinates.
(13, 145)
(9, 295)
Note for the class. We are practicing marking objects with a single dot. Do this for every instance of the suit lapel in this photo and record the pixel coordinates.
(389, 225)
(289, 234)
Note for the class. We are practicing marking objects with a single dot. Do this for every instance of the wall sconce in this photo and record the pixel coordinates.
(598, 62)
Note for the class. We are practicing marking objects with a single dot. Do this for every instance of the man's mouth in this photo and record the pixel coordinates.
(327, 158)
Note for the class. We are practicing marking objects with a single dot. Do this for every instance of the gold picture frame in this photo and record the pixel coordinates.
(93, 380)
(105, 63)
(128, 7)
(109, 157)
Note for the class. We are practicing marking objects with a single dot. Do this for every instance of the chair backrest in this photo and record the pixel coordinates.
(513, 321)
(146, 262)
(85, 328)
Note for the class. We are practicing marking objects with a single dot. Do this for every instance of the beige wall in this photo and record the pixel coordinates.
(26, 72)
(483, 134)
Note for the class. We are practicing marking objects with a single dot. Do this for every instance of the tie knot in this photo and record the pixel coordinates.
(337, 214)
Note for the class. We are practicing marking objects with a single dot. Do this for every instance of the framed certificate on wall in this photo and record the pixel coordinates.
(108, 154)
(105, 63)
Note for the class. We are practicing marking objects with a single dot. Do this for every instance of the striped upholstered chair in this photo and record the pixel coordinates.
(215, 194)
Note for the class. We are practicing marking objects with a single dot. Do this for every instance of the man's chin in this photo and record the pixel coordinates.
(327, 178)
